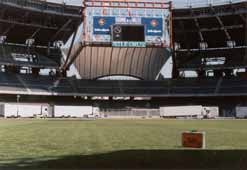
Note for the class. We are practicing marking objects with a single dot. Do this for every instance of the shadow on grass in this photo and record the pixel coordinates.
(141, 159)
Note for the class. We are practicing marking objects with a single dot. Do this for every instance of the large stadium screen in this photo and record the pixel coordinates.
(144, 26)
(130, 33)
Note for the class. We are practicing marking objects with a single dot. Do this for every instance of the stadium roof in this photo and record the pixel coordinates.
(176, 3)
(43, 22)
(203, 3)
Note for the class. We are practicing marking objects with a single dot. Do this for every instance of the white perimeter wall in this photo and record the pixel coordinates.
(23, 110)
(241, 112)
(72, 111)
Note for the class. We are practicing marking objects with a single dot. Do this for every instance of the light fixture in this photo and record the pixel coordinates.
(2, 39)
(29, 42)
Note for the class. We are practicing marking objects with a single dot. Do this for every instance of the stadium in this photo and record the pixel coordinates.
(106, 72)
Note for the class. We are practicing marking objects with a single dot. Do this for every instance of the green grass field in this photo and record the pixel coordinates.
(66, 144)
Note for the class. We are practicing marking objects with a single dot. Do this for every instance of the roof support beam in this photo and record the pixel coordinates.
(8, 29)
(73, 58)
(199, 29)
(29, 24)
(198, 26)
(35, 33)
(69, 61)
(221, 24)
(243, 10)
(210, 29)
(60, 30)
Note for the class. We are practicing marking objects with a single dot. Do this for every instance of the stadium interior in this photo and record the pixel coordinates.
(123, 84)
(210, 41)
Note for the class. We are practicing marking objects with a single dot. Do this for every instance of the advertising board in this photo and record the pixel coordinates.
(194, 140)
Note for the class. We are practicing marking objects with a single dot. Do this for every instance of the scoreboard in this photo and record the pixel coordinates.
(121, 32)
(122, 26)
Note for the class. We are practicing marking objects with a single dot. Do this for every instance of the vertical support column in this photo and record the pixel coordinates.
(175, 72)
(244, 18)
(171, 26)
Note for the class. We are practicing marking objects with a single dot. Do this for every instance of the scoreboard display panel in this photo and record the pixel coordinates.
(128, 33)
(134, 23)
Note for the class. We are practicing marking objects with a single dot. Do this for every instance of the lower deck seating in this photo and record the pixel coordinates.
(75, 87)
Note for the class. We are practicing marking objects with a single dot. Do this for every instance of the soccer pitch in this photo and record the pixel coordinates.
(113, 143)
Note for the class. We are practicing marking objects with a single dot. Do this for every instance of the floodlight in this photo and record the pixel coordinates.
(203, 45)
(58, 44)
(177, 46)
(30, 42)
(2, 39)
(231, 44)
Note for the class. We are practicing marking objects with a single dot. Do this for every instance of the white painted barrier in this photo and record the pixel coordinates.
(72, 111)
(241, 112)
(181, 111)
(24, 110)
(190, 111)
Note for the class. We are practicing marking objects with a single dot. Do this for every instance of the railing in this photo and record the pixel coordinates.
(204, 3)
(43, 6)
